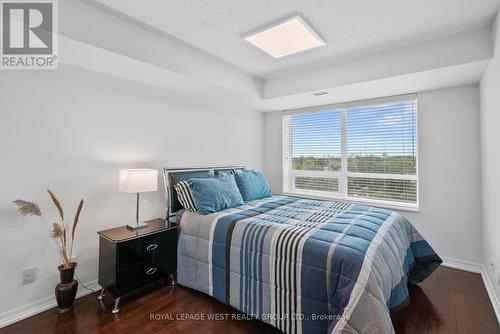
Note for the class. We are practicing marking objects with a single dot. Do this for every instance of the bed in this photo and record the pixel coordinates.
(301, 265)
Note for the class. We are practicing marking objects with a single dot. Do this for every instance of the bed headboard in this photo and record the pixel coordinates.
(172, 176)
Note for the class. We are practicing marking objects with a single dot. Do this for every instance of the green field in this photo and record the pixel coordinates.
(361, 164)
(384, 189)
(317, 183)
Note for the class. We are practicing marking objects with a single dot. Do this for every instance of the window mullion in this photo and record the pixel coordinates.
(343, 156)
(287, 154)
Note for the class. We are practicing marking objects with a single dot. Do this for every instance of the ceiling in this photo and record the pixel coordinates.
(351, 28)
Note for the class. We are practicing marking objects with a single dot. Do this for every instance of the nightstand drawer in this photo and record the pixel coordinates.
(136, 277)
(147, 249)
(130, 254)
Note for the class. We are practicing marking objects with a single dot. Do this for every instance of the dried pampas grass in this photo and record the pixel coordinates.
(73, 229)
(26, 208)
(77, 217)
(59, 231)
(57, 204)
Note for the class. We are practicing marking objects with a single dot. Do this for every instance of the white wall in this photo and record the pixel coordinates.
(131, 38)
(469, 47)
(449, 170)
(71, 130)
(490, 145)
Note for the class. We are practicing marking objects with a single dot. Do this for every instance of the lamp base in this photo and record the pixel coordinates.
(137, 226)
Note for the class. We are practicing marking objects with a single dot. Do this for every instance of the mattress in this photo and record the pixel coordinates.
(305, 266)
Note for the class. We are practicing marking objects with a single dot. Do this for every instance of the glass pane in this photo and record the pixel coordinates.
(382, 138)
(316, 141)
(316, 183)
(385, 189)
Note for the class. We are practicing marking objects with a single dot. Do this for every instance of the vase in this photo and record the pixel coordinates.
(66, 289)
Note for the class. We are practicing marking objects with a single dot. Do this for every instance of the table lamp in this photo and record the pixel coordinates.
(138, 181)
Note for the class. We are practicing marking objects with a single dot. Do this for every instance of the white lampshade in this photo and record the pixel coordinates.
(138, 180)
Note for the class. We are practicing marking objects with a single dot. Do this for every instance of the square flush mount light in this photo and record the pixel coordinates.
(286, 38)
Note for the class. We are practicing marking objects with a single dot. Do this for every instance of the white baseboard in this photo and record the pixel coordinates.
(491, 293)
(464, 265)
(43, 304)
(477, 268)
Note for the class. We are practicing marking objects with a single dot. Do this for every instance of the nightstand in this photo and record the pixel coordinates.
(129, 259)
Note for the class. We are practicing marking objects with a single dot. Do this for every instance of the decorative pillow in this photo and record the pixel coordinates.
(224, 172)
(252, 185)
(185, 196)
(215, 194)
(227, 172)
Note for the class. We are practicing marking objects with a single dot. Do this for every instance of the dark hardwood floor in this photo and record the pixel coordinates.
(450, 301)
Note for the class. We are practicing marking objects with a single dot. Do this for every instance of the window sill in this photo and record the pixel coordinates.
(374, 203)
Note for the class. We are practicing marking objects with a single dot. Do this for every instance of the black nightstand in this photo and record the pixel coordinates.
(132, 259)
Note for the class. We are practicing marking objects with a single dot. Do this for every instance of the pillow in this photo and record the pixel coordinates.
(252, 185)
(224, 172)
(185, 196)
(215, 194)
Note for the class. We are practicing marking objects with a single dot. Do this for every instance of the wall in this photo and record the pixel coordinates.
(126, 36)
(490, 144)
(449, 170)
(465, 48)
(71, 130)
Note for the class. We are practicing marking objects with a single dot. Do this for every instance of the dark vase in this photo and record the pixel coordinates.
(66, 290)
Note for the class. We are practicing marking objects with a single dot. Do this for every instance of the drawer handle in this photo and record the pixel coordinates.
(152, 247)
(151, 271)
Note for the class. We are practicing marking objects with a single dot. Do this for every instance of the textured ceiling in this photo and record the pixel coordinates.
(350, 28)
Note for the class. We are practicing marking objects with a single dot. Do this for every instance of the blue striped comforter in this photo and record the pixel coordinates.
(306, 266)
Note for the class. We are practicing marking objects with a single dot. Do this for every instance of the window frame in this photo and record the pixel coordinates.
(343, 174)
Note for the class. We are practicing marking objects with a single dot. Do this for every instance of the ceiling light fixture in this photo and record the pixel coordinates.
(286, 38)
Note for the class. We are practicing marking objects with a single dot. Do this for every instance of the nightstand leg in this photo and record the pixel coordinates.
(172, 280)
(102, 294)
(116, 309)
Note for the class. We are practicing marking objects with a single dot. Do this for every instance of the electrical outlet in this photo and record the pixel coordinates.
(74, 258)
(29, 275)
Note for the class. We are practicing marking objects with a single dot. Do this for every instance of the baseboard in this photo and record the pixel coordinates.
(477, 268)
(491, 293)
(43, 304)
(464, 265)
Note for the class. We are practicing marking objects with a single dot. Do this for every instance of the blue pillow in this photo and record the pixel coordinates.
(215, 194)
(253, 185)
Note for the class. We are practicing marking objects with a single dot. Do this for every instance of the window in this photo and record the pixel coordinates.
(364, 151)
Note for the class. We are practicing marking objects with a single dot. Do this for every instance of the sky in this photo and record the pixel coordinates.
(374, 130)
